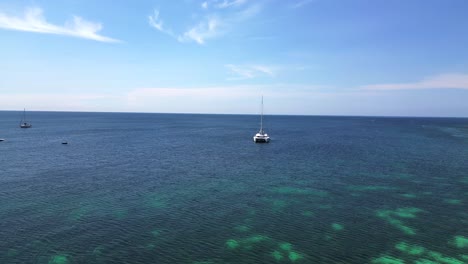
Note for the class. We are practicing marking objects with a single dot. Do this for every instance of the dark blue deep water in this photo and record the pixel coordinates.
(163, 188)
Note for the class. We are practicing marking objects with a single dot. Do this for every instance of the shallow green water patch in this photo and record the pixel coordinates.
(425, 261)
(247, 242)
(279, 204)
(79, 213)
(255, 239)
(98, 250)
(387, 260)
(150, 246)
(280, 251)
(425, 256)
(294, 256)
(325, 206)
(157, 203)
(407, 212)
(365, 188)
(156, 232)
(59, 259)
(120, 213)
(464, 180)
(409, 195)
(393, 218)
(276, 204)
(285, 246)
(440, 258)
(453, 201)
(157, 200)
(285, 250)
(410, 249)
(460, 242)
(299, 191)
(278, 256)
(232, 244)
(155, 238)
(337, 227)
(308, 213)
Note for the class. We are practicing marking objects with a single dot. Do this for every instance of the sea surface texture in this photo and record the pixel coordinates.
(167, 188)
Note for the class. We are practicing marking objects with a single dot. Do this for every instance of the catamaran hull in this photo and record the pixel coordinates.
(261, 140)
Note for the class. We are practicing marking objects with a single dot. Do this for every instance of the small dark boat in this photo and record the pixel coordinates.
(64, 143)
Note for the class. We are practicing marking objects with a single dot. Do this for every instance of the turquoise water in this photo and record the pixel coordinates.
(162, 188)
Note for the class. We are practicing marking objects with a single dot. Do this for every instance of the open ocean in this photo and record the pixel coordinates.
(174, 188)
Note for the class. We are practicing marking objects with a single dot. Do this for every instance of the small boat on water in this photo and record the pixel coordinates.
(261, 136)
(64, 143)
(1, 139)
(24, 123)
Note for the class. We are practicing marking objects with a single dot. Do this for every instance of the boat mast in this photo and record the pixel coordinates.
(261, 119)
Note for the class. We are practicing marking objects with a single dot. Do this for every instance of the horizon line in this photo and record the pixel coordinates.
(188, 113)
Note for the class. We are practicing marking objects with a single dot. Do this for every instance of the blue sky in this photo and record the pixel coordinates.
(312, 57)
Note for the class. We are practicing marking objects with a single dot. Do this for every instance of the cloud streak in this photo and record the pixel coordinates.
(157, 23)
(226, 3)
(301, 3)
(442, 81)
(34, 21)
(242, 72)
(207, 29)
(211, 25)
(214, 26)
(154, 21)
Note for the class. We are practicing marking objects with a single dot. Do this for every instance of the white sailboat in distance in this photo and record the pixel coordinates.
(24, 123)
(261, 136)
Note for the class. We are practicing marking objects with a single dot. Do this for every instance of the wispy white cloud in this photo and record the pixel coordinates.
(214, 25)
(226, 3)
(443, 81)
(242, 72)
(154, 21)
(211, 25)
(204, 5)
(34, 21)
(204, 30)
(157, 23)
(302, 3)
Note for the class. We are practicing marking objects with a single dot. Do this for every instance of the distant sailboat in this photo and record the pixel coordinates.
(24, 123)
(261, 136)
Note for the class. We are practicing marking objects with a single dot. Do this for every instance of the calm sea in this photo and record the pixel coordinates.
(168, 188)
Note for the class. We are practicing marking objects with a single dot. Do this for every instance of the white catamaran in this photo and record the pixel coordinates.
(24, 123)
(261, 136)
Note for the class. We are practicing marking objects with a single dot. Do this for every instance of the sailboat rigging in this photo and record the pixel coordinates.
(261, 136)
(24, 123)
